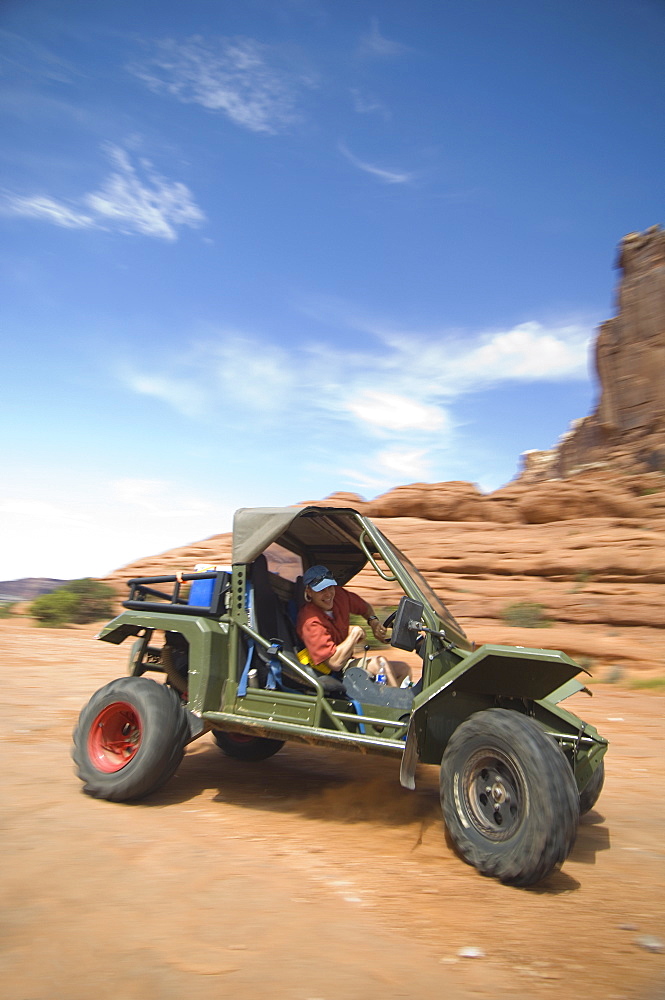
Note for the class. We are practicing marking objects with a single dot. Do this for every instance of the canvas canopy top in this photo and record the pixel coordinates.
(328, 535)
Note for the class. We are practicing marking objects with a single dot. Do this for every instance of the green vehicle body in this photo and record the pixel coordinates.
(458, 680)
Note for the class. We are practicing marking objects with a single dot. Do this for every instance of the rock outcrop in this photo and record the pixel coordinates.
(590, 551)
(626, 432)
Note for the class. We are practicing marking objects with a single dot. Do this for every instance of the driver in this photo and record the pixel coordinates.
(324, 627)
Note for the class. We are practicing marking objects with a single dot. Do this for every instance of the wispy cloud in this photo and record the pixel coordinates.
(392, 412)
(393, 462)
(27, 57)
(238, 77)
(366, 104)
(390, 466)
(181, 394)
(131, 199)
(261, 376)
(158, 498)
(528, 352)
(235, 372)
(381, 173)
(373, 43)
(264, 377)
(47, 209)
(392, 400)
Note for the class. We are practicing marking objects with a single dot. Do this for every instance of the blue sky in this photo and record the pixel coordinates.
(256, 253)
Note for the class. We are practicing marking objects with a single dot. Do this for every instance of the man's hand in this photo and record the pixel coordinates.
(358, 633)
(378, 629)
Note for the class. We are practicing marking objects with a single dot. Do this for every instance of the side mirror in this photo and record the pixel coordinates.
(407, 624)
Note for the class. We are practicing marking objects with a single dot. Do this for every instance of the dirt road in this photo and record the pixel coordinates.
(310, 876)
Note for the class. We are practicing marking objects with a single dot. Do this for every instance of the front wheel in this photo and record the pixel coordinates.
(129, 739)
(244, 747)
(509, 798)
(591, 791)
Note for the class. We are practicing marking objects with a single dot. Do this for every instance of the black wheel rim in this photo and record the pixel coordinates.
(494, 794)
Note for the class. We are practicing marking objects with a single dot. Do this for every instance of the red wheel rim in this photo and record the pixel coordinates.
(114, 737)
(240, 737)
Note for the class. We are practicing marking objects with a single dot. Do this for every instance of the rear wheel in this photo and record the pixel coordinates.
(509, 798)
(130, 739)
(244, 747)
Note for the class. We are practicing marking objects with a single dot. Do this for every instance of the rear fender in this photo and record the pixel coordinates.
(208, 650)
(132, 624)
(120, 629)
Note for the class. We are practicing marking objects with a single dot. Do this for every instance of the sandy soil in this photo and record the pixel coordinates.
(311, 876)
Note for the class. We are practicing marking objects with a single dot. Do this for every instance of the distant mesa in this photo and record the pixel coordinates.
(27, 588)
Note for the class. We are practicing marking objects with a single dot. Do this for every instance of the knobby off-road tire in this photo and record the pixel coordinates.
(591, 792)
(130, 739)
(244, 747)
(509, 797)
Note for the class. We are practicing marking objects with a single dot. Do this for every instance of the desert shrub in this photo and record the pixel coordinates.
(54, 609)
(649, 683)
(581, 580)
(78, 602)
(7, 610)
(525, 614)
(613, 674)
(95, 600)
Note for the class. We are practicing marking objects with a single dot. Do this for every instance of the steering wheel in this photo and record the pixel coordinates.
(389, 620)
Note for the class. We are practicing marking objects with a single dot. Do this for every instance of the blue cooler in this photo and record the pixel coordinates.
(200, 593)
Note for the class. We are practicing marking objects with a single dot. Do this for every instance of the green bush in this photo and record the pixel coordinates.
(647, 683)
(54, 609)
(7, 610)
(525, 614)
(581, 580)
(78, 602)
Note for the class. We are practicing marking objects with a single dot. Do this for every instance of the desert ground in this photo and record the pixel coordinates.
(310, 876)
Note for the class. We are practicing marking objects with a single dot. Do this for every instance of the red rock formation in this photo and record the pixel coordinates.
(590, 550)
(627, 429)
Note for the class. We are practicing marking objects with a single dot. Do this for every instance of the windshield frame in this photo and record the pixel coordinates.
(414, 585)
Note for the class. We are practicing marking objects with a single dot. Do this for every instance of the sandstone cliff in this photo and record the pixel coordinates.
(626, 432)
(590, 552)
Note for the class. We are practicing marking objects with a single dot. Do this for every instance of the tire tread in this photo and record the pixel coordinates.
(529, 856)
(163, 741)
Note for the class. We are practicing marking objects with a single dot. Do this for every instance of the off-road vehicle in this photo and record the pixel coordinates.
(516, 769)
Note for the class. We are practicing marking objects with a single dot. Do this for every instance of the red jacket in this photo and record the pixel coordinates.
(321, 634)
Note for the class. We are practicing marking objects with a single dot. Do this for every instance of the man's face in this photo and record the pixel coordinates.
(323, 598)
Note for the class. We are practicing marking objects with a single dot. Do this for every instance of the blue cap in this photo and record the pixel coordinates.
(318, 578)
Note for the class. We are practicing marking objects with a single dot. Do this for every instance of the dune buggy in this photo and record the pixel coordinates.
(516, 769)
